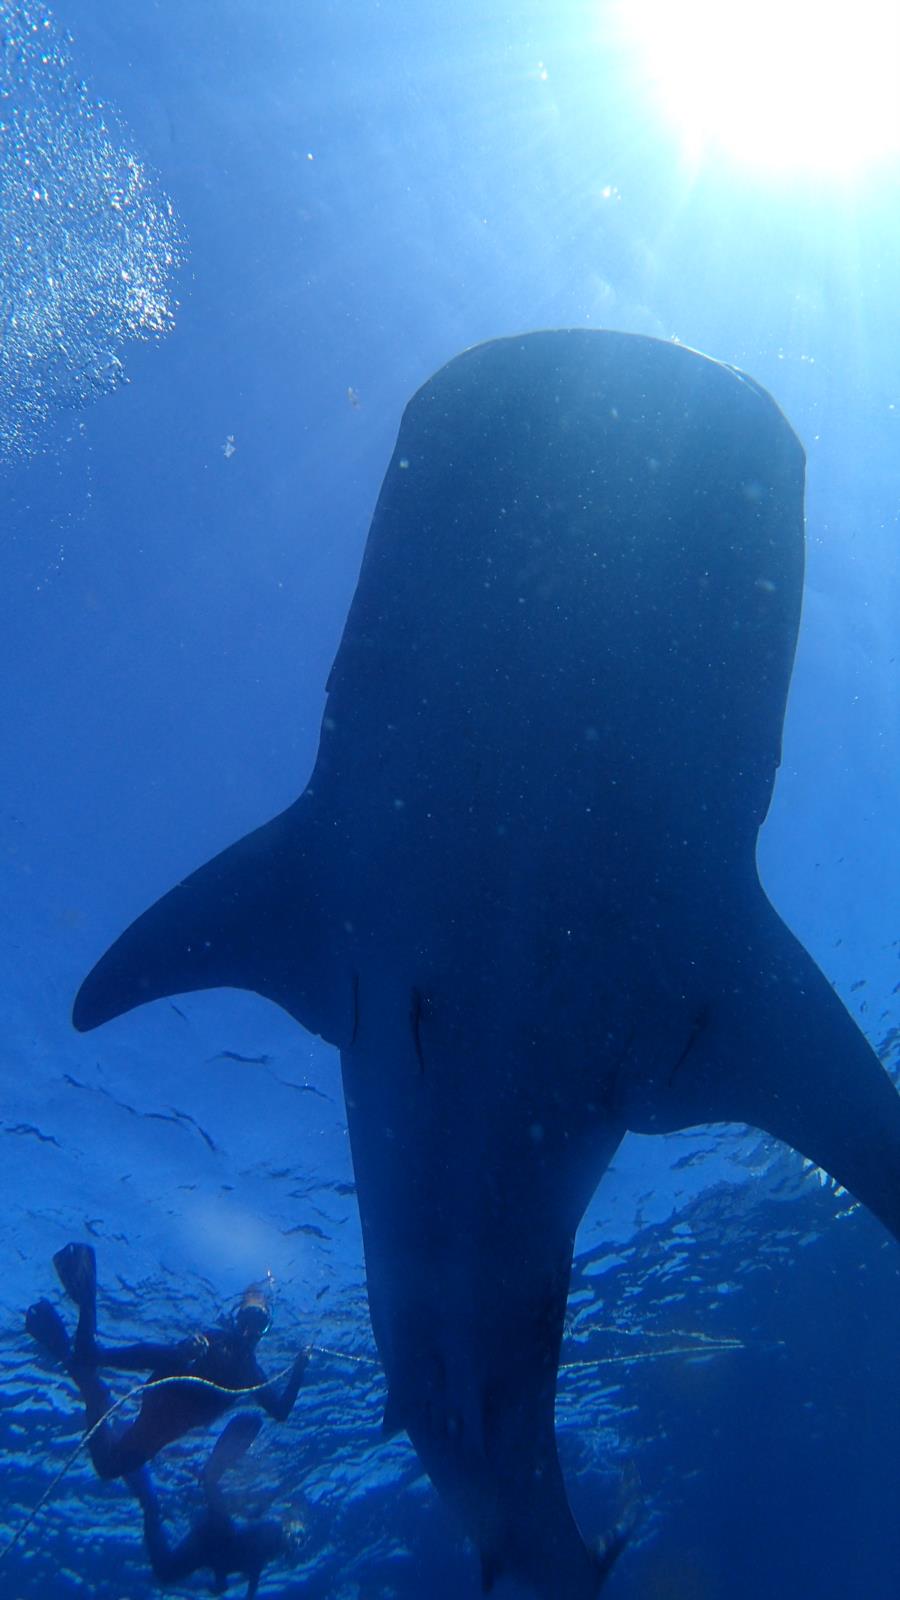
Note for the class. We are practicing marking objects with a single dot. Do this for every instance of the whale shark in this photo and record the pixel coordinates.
(519, 892)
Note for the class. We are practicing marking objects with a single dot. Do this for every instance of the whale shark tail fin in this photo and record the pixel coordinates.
(252, 918)
(774, 1046)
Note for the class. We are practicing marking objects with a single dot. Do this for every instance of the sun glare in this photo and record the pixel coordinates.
(782, 85)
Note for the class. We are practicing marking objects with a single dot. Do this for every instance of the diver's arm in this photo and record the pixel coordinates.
(281, 1405)
(134, 1357)
(150, 1357)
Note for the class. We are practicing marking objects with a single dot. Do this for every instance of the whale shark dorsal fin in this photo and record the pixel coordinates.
(251, 918)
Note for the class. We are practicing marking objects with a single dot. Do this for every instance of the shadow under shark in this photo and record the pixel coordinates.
(519, 892)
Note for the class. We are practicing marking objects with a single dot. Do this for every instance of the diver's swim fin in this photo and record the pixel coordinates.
(46, 1326)
(233, 1442)
(76, 1269)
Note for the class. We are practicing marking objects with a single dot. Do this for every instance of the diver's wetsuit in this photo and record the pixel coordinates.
(174, 1409)
(217, 1541)
(224, 1357)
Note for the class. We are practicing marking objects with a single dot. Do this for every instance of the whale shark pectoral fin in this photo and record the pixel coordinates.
(251, 918)
(774, 1046)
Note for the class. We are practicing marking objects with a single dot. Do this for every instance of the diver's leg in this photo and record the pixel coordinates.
(168, 1563)
(46, 1326)
(76, 1268)
(97, 1402)
(114, 1451)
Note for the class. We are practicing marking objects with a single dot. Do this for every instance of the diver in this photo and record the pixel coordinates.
(217, 1540)
(224, 1358)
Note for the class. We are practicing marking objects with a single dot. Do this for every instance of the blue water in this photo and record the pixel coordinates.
(235, 241)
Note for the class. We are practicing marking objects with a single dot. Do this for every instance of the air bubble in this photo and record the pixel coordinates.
(88, 244)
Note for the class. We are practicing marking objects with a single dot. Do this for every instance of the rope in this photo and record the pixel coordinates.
(139, 1388)
(703, 1345)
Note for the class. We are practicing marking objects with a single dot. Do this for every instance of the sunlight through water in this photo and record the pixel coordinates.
(783, 86)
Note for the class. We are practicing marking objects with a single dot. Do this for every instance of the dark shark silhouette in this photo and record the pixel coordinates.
(519, 892)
